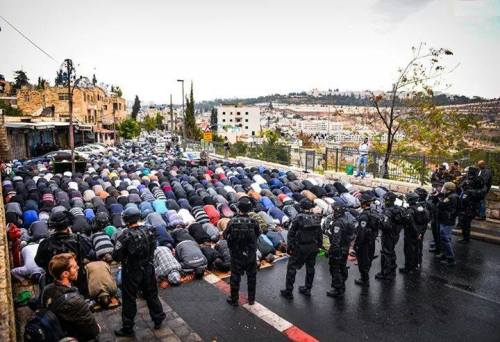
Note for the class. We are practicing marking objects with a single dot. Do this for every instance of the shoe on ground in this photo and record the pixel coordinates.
(379, 276)
(464, 241)
(305, 291)
(362, 282)
(448, 262)
(251, 301)
(158, 325)
(335, 293)
(124, 333)
(231, 301)
(287, 294)
(405, 270)
(440, 256)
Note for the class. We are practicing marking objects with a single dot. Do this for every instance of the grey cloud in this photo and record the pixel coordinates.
(398, 10)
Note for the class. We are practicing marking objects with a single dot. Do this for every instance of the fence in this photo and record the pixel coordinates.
(406, 168)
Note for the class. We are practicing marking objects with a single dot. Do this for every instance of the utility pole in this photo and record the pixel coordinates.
(69, 70)
(171, 115)
(114, 126)
(183, 113)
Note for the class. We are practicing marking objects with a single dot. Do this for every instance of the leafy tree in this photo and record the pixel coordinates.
(191, 130)
(20, 79)
(307, 139)
(60, 76)
(129, 128)
(159, 120)
(136, 107)
(117, 91)
(40, 83)
(213, 118)
(8, 110)
(421, 73)
(149, 123)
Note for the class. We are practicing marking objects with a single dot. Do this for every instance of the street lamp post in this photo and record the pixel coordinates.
(183, 113)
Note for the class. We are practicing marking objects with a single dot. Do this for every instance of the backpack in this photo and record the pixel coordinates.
(421, 215)
(138, 246)
(242, 232)
(44, 326)
(307, 233)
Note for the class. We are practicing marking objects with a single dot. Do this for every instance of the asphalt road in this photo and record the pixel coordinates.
(439, 304)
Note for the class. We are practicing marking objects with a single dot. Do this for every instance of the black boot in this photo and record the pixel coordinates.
(362, 282)
(335, 293)
(124, 332)
(231, 301)
(305, 291)
(287, 294)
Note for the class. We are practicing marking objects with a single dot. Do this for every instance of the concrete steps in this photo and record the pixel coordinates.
(487, 230)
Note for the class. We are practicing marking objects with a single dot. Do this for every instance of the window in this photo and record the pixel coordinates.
(246, 113)
(105, 107)
(223, 120)
(26, 98)
(63, 97)
(115, 106)
(238, 113)
(246, 127)
(223, 113)
(253, 132)
(246, 120)
(230, 120)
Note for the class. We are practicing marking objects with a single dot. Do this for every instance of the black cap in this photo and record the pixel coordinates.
(61, 220)
(244, 204)
(305, 204)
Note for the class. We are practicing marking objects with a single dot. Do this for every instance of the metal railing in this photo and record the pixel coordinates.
(405, 168)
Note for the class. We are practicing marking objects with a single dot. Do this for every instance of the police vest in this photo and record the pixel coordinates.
(308, 229)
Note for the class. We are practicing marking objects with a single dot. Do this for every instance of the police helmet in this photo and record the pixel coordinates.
(365, 198)
(422, 193)
(412, 198)
(338, 210)
(305, 204)
(60, 220)
(390, 197)
(244, 204)
(131, 215)
(472, 171)
(102, 219)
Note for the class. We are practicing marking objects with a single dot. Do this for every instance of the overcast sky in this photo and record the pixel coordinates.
(236, 48)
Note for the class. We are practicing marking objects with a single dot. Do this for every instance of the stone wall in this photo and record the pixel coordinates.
(7, 319)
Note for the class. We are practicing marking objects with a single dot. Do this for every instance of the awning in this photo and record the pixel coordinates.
(40, 126)
(103, 130)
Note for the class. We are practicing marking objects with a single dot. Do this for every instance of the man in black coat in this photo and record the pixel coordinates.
(472, 192)
(135, 249)
(305, 238)
(241, 235)
(66, 302)
(487, 175)
(64, 241)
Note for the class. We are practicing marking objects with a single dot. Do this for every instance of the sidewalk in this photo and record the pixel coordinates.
(174, 328)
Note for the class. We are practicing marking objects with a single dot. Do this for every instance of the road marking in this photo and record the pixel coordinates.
(472, 294)
(291, 331)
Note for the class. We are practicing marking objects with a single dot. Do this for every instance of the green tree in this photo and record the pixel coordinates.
(136, 107)
(192, 131)
(159, 120)
(129, 128)
(20, 79)
(149, 123)
(40, 83)
(8, 110)
(421, 73)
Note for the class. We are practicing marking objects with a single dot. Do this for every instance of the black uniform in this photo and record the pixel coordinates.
(63, 242)
(473, 191)
(305, 238)
(419, 218)
(340, 232)
(369, 223)
(241, 235)
(396, 220)
(135, 249)
(432, 206)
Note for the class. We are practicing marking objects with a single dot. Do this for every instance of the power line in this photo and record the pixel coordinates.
(29, 40)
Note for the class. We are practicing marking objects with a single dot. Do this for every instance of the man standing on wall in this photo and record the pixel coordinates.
(363, 158)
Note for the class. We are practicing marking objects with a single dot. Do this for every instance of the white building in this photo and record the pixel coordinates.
(238, 121)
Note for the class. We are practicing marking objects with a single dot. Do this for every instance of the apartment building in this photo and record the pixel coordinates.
(238, 121)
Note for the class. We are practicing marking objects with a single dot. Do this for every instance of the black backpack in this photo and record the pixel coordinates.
(307, 232)
(242, 232)
(421, 215)
(44, 326)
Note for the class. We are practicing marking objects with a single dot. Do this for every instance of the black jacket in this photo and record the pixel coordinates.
(73, 313)
(448, 209)
(305, 230)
